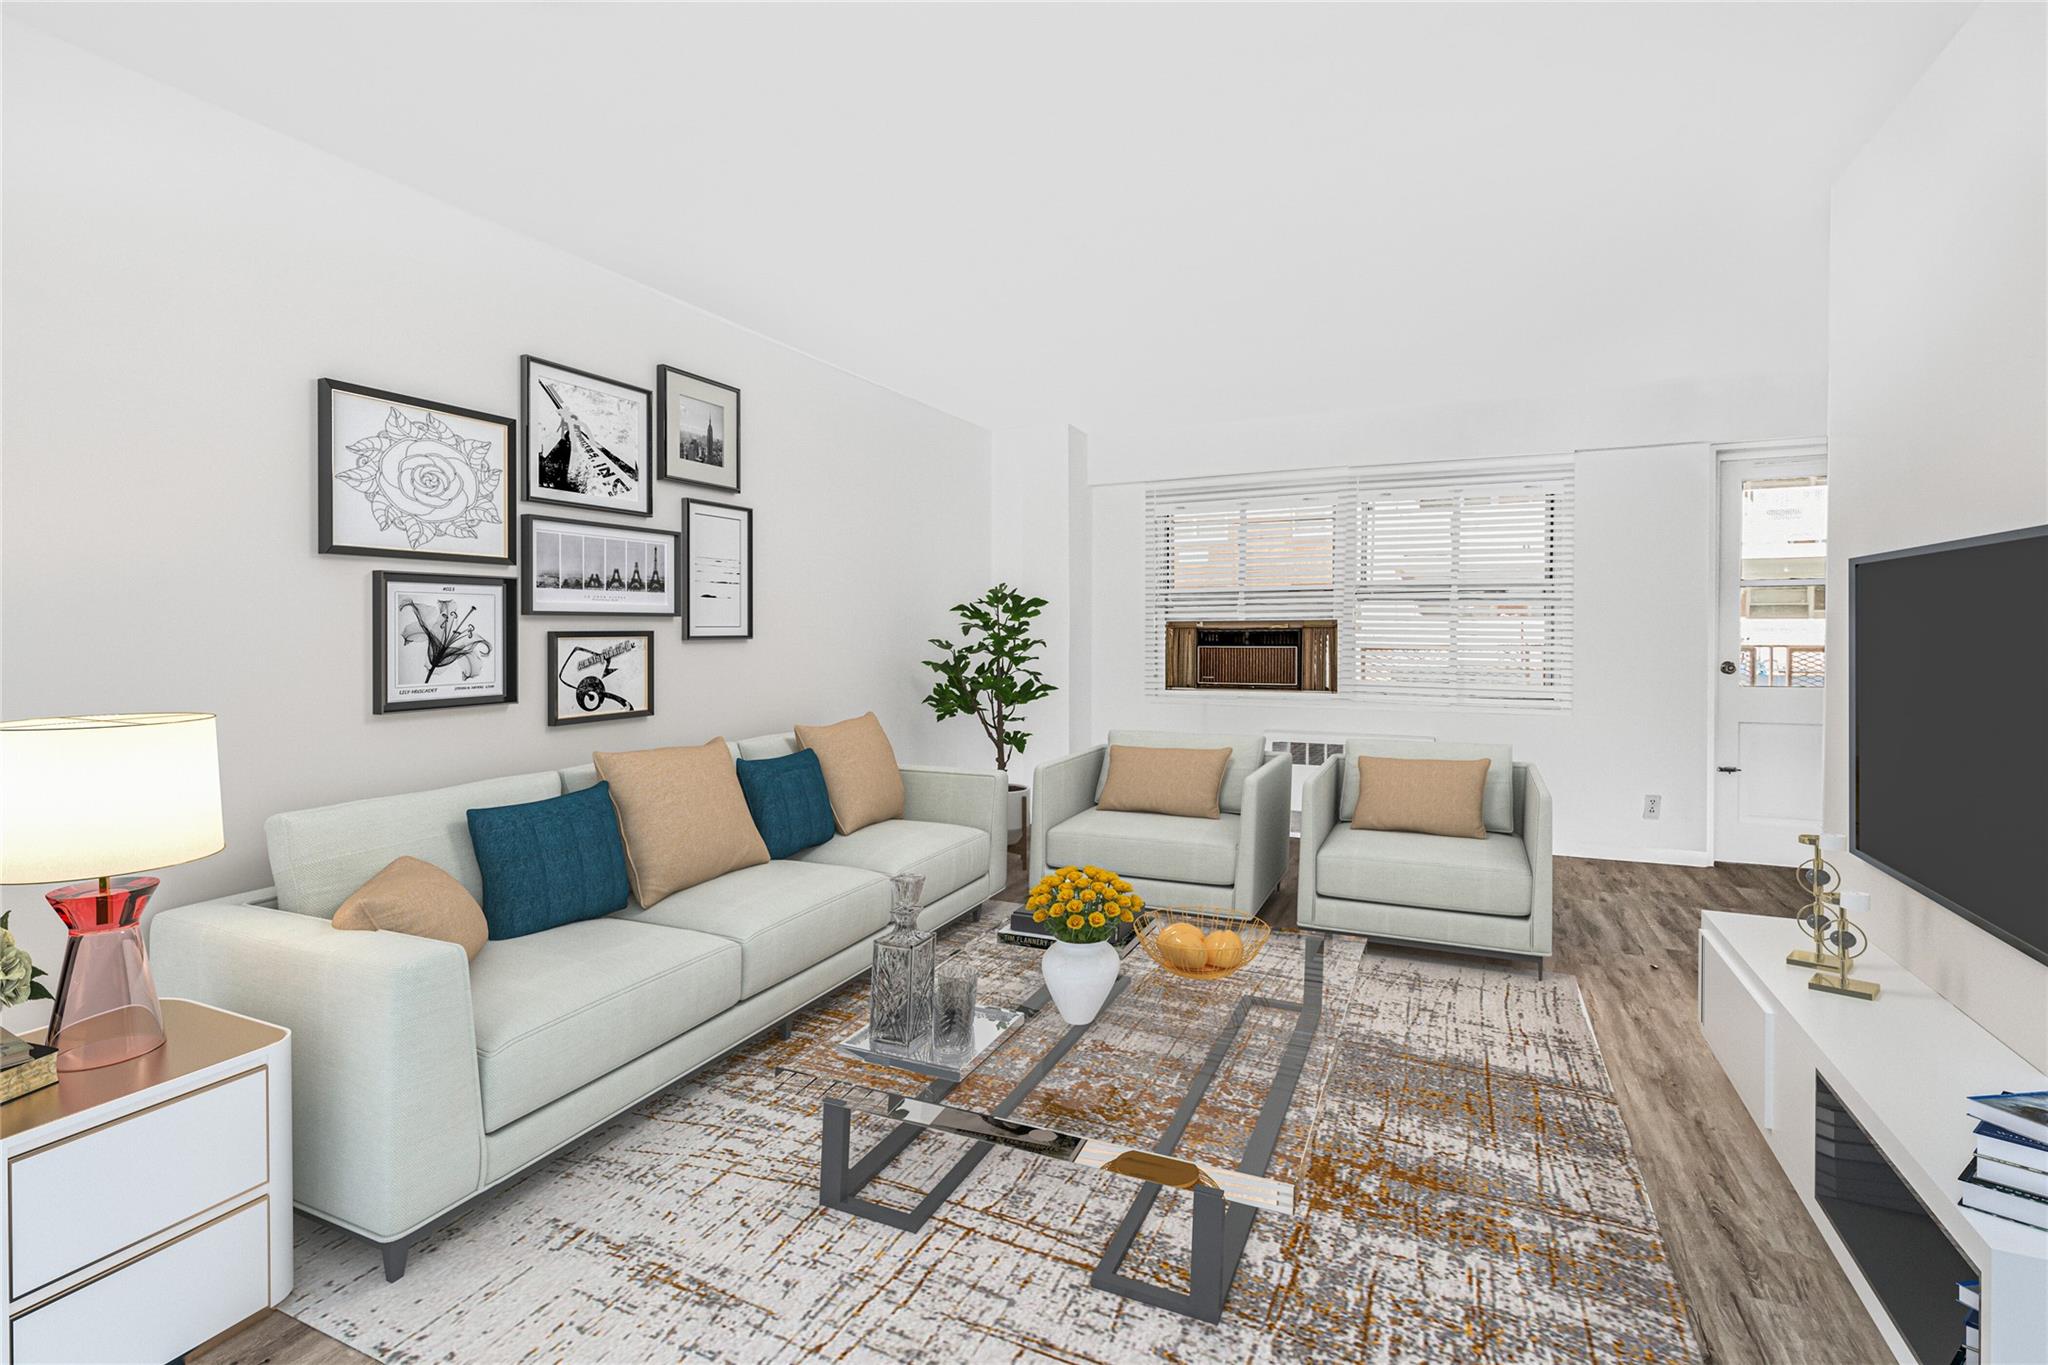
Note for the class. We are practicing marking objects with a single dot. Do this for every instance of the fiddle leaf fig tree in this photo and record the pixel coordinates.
(988, 674)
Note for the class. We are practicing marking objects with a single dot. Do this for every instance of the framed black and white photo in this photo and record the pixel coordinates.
(700, 429)
(718, 571)
(409, 478)
(447, 640)
(592, 568)
(600, 675)
(588, 439)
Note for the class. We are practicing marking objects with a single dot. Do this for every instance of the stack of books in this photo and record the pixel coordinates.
(1021, 931)
(2008, 1177)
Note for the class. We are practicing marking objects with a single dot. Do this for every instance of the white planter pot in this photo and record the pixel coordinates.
(1080, 977)
(1016, 813)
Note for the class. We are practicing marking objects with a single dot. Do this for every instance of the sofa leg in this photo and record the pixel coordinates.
(394, 1260)
(1541, 962)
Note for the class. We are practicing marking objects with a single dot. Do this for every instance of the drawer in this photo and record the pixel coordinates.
(158, 1306)
(1739, 1021)
(100, 1192)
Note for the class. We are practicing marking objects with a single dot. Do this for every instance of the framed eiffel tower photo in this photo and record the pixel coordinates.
(588, 440)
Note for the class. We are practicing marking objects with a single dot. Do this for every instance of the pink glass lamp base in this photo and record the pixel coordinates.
(106, 1008)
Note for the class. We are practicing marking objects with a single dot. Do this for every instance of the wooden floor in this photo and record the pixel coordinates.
(1760, 1284)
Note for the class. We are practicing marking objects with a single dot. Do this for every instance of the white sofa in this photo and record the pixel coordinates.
(1230, 864)
(421, 1080)
(1490, 896)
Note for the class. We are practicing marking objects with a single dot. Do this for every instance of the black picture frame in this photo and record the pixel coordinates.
(693, 628)
(373, 491)
(598, 601)
(504, 649)
(678, 470)
(591, 702)
(529, 458)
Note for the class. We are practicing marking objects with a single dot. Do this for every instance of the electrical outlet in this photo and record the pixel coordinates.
(1653, 806)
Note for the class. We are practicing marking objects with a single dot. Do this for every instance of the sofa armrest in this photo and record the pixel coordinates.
(1536, 842)
(964, 796)
(1319, 797)
(1262, 832)
(1060, 790)
(387, 1119)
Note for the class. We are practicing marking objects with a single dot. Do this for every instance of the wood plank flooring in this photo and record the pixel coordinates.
(1761, 1285)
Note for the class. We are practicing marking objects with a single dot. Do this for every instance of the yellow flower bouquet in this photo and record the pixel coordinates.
(1083, 904)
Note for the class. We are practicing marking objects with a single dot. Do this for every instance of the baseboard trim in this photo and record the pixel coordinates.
(1678, 857)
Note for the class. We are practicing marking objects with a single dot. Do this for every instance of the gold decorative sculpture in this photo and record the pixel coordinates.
(1846, 943)
(1836, 941)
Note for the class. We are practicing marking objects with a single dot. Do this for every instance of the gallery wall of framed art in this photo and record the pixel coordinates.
(598, 675)
(441, 640)
(718, 569)
(411, 478)
(589, 439)
(700, 429)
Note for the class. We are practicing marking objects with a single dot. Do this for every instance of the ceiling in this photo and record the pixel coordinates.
(1116, 215)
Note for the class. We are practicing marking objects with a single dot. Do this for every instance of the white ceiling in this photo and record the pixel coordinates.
(1125, 215)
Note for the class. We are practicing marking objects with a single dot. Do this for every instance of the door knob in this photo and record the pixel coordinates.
(1727, 665)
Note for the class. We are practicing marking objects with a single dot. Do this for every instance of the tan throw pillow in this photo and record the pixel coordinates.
(412, 897)
(861, 775)
(1422, 795)
(682, 817)
(1165, 781)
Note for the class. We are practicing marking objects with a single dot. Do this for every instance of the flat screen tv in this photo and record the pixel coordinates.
(1948, 724)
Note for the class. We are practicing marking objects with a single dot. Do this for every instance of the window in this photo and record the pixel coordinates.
(1784, 582)
(1450, 585)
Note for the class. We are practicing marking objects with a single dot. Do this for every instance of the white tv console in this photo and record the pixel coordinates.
(1901, 1066)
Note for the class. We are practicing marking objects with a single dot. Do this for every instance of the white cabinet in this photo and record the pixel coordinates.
(148, 1204)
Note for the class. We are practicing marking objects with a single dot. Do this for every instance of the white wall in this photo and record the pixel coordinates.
(1643, 610)
(176, 280)
(1938, 406)
(1037, 532)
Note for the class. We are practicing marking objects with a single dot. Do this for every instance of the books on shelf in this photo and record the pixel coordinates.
(2002, 1144)
(1966, 1293)
(2023, 1116)
(1982, 1193)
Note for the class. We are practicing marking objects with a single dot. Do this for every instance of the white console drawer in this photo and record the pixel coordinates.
(87, 1197)
(1739, 1020)
(158, 1306)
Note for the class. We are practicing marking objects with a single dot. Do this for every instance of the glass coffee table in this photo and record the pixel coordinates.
(1176, 1083)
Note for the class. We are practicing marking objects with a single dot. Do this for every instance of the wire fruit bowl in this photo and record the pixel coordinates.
(1176, 953)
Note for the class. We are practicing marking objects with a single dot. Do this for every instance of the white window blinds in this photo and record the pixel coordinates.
(1451, 585)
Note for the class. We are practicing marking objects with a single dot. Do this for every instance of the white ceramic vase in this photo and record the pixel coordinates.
(1079, 977)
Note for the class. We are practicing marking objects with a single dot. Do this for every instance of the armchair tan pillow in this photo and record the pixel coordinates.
(1422, 795)
(682, 816)
(861, 776)
(1165, 781)
(414, 897)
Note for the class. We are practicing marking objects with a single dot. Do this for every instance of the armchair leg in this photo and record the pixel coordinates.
(394, 1259)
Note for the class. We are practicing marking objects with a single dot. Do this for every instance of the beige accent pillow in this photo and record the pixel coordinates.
(861, 776)
(1165, 781)
(682, 817)
(417, 898)
(1422, 795)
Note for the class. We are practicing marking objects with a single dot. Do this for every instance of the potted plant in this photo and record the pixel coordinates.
(988, 675)
(1081, 908)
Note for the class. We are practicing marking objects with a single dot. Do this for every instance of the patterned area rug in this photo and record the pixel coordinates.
(1466, 1186)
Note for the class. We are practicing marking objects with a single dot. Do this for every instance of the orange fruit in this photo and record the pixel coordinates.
(1182, 946)
(1225, 948)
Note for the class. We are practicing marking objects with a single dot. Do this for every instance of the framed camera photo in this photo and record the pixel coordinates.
(700, 429)
(409, 478)
(718, 571)
(593, 568)
(599, 675)
(441, 640)
(589, 440)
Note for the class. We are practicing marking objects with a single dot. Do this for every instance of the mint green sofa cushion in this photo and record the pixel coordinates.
(1168, 848)
(1487, 876)
(784, 915)
(947, 856)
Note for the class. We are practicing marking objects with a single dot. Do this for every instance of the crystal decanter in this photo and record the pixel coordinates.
(900, 988)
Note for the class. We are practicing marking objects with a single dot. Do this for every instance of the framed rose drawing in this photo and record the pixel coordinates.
(408, 478)
(446, 640)
(589, 440)
(700, 429)
(600, 675)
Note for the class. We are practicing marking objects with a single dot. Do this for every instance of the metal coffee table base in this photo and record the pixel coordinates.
(1225, 1201)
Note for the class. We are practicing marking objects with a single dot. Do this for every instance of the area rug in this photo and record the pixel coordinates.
(1466, 1193)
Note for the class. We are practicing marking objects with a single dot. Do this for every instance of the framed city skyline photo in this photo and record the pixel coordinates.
(700, 429)
(594, 568)
(599, 675)
(588, 439)
(718, 560)
(446, 640)
(409, 478)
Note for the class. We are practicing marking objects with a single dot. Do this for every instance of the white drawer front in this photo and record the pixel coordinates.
(84, 1199)
(1738, 1019)
(160, 1306)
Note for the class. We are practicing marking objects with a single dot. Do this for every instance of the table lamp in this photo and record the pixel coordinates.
(96, 797)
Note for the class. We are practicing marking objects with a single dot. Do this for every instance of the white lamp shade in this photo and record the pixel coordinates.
(91, 796)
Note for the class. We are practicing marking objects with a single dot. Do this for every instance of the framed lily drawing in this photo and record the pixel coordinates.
(446, 640)
(409, 478)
